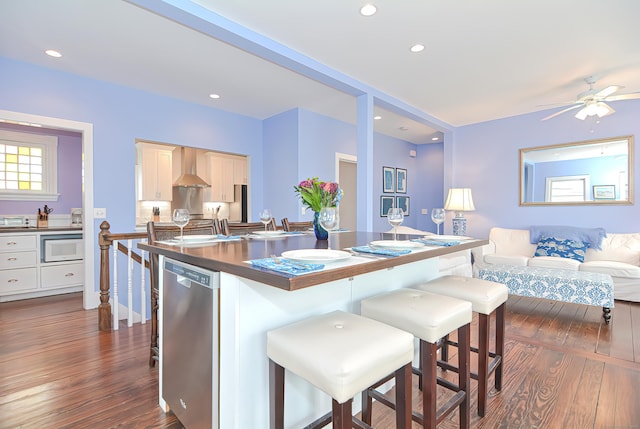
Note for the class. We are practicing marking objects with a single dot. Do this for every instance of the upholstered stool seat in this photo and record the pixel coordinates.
(486, 298)
(429, 317)
(342, 354)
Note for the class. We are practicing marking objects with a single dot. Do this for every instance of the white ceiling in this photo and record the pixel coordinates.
(483, 60)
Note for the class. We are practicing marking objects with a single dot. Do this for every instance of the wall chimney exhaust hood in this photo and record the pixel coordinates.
(188, 177)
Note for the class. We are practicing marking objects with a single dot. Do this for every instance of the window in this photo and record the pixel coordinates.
(28, 166)
(567, 189)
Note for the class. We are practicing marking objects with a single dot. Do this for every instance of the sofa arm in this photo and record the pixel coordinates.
(478, 253)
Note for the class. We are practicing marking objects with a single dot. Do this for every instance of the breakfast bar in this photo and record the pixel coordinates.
(252, 300)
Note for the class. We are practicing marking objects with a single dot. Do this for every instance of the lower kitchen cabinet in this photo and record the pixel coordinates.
(68, 274)
(18, 280)
(24, 274)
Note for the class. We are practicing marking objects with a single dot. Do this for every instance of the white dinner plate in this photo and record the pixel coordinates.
(195, 238)
(316, 256)
(447, 237)
(279, 232)
(396, 244)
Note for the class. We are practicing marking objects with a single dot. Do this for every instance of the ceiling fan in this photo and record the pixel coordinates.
(592, 101)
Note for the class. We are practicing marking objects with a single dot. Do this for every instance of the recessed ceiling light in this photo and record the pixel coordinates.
(368, 10)
(417, 48)
(435, 139)
(377, 117)
(214, 96)
(52, 53)
(403, 128)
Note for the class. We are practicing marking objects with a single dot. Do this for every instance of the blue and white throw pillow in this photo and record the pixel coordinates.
(559, 247)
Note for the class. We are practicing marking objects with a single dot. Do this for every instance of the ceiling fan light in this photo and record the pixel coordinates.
(603, 109)
(582, 114)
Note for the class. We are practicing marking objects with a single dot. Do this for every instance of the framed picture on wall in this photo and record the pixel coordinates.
(604, 192)
(386, 202)
(388, 180)
(401, 180)
(403, 203)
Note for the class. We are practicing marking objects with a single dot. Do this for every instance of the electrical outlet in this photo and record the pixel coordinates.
(99, 213)
(303, 210)
(424, 211)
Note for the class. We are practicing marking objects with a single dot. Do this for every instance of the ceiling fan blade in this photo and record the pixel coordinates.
(562, 103)
(609, 110)
(608, 91)
(562, 111)
(629, 96)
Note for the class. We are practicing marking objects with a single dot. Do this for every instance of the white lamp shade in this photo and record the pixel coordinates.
(459, 200)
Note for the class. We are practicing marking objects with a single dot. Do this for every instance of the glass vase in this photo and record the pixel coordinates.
(319, 231)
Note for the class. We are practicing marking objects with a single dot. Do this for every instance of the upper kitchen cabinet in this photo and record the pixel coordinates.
(154, 172)
(239, 170)
(222, 171)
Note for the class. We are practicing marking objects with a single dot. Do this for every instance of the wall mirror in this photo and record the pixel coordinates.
(581, 173)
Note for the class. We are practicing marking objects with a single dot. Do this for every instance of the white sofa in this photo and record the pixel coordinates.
(457, 263)
(619, 257)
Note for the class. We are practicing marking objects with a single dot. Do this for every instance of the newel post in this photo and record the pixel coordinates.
(104, 309)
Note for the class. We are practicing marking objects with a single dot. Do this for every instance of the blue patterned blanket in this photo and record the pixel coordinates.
(593, 236)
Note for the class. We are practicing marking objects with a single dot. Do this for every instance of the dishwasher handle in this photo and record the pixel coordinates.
(187, 274)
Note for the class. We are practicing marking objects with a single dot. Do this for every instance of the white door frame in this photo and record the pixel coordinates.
(90, 298)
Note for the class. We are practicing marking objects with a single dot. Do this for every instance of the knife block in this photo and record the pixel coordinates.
(43, 223)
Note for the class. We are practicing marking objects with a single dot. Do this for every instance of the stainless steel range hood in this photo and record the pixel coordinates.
(188, 177)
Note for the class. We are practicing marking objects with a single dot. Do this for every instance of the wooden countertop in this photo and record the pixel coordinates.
(229, 256)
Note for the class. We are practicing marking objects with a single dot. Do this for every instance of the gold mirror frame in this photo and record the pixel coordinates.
(562, 152)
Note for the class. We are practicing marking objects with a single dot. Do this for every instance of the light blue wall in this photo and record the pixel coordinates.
(120, 115)
(430, 193)
(300, 144)
(486, 158)
(281, 138)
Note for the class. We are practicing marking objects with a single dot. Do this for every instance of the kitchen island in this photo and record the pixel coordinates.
(252, 301)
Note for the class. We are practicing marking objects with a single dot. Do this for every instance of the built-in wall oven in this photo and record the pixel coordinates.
(61, 247)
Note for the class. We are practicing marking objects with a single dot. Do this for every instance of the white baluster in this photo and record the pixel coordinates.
(143, 291)
(116, 302)
(129, 285)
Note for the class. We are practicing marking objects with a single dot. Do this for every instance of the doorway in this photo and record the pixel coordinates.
(90, 298)
(346, 176)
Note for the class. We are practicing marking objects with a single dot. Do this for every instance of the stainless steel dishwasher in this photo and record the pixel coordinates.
(190, 343)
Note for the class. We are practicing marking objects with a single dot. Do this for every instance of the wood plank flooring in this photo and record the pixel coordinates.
(564, 368)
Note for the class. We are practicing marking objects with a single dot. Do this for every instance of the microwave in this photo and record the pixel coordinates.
(64, 247)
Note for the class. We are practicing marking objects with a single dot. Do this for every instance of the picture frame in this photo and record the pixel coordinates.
(402, 202)
(604, 192)
(401, 180)
(388, 180)
(386, 202)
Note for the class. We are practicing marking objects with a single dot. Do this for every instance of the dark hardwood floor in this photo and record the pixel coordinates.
(564, 368)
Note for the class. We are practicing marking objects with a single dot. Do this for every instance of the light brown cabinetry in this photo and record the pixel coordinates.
(239, 170)
(222, 172)
(154, 172)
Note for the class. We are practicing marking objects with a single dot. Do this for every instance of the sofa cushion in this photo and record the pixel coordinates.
(518, 260)
(558, 247)
(617, 247)
(512, 242)
(554, 262)
(614, 269)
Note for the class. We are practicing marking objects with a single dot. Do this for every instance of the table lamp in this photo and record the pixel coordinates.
(459, 200)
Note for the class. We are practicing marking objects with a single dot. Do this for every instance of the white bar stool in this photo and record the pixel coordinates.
(429, 317)
(486, 298)
(341, 354)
